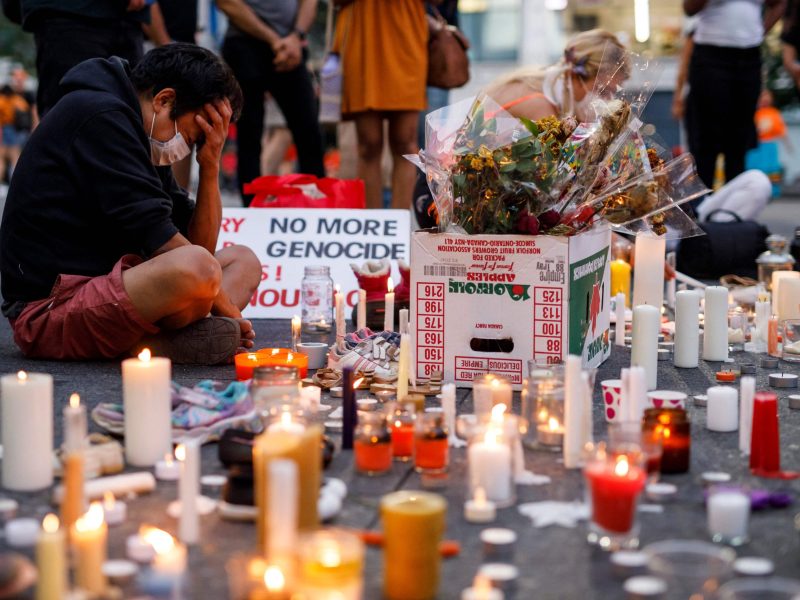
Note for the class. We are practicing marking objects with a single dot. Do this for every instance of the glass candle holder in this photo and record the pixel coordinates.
(791, 340)
(401, 426)
(615, 477)
(252, 577)
(760, 588)
(372, 446)
(674, 429)
(491, 465)
(431, 452)
(273, 386)
(316, 297)
(737, 329)
(728, 511)
(545, 416)
(330, 565)
(691, 568)
(489, 390)
(632, 432)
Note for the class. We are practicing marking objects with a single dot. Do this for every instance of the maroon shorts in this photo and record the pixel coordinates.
(84, 318)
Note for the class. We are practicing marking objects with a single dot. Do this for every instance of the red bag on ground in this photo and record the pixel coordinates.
(305, 191)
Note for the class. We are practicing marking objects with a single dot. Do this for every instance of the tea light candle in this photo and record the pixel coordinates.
(550, 433)
(120, 572)
(89, 538)
(499, 544)
(644, 587)
(361, 315)
(768, 362)
(51, 561)
(644, 344)
(490, 467)
(26, 430)
(794, 401)
(168, 469)
(687, 329)
(147, 400)
(388, 316)
(479, 509)
(331, 564)
(723, 408)
(648, 273)
(728, 515)
(725, 376)
(21, 533)
(715, 332)
(295, 332)
(747, 391)
(114, 511)
(753, 566)
(783, 380)
(626, 563)
(481, 590)
(714, 478)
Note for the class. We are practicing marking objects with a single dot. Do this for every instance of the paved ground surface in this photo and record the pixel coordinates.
(555, 562)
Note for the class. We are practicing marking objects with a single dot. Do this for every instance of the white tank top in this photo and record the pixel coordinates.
(730, 24)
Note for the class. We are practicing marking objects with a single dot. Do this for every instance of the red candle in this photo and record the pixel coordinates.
(402, 439)
(765, 445)
(615, 487)
(373, 456)
(430, 454)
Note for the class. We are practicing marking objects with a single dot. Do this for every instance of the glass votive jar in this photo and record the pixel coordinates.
(431, 452)
(543, 370)
(491, 464)
(316, 297)
(673, 427)
(728, 511)
(737, 329)
(274, 386)
(791, 340)
(632, 432)
(615, 477)
(691, 568)
(760, 588)
(487, 391)
(401, 427)
(330, 565)
(372, 445)
(252, 577)
(545, 415)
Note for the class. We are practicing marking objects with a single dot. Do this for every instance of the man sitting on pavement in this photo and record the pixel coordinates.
(101, 252)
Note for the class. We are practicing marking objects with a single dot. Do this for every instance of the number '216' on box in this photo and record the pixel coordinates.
(491, 303)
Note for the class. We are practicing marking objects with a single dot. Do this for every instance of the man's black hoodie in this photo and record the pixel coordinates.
(85, 191)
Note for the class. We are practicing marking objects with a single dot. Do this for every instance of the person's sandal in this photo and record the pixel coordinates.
(209, 341)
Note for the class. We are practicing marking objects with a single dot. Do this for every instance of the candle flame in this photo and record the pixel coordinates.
(358, 382)
(497, 412)
(490, 437)
(252, 356)
(398, 424)
(50, 523)
(274, 580)
(108, 500)
(74, 401)
(92, 519)
(543, 415)
(144, 355)
(329, 555)
(180, 452)
(622, 467)
(286, 418)
(158, 539)
(480, 496)
(290, 358)
(389, 285)
(552, 423)
(296, 321)
(22, 375)
(275, 351)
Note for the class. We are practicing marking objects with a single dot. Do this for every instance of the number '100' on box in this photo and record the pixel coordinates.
(490, 303)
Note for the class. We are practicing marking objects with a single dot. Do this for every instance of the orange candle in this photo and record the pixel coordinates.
(245, 363)
(283, 357)
(726, 376)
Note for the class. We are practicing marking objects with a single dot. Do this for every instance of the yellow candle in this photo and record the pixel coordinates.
(51, 561)
(73, 505)
(621, 279)
(331, 565)
(302, 447)
(89, 540)
(413, 525)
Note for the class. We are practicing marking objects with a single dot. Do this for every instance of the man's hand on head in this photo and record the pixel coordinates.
(215, 129)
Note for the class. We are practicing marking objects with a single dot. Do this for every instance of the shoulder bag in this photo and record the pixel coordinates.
(448, 63)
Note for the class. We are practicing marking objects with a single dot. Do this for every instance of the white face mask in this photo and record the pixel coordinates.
(171, 151)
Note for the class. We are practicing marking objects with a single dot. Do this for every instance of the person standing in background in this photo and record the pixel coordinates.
(384, 50)
(725, 80)
(266, 48)
(790, 38)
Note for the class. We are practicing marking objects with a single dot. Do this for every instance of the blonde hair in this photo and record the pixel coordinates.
(584, 56)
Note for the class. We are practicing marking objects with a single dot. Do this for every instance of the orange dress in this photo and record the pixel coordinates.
(383, 45)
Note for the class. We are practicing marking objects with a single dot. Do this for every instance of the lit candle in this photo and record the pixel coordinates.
(188, 455)
(165, 578)
(674, 429)
(75, 431)
(89, 538)
(246, 362)
(295, 332)
(648, 272)
(114, 511)
(722, 412)
(361, 315)
(488, 391)
(644, 342)
(550, 433)
(413, 524)
(275, 585)
(286, 422)
(168, 469)
(479, 509)
(403, 320)
(621, 279)
(27, 431)
(747, 391)
(728, 515)
(715, 332)
(403, 366)
(51, 561)
(489, 461)
(574, 407)
(388, 316)
(147, 399)
(619, 326)
(338, 305)
(482, 590)
(282, 508)
(687, 329)
(331, 566)
(401, 428)
(281, 357)
(615, 485)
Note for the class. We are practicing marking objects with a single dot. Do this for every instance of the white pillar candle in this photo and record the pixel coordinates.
(27, 431)
(403, 320)
(728, 515)
(777, 278)
(787, 300)
(763, 312)
(403, 366)
(619, 312)
(489, 462)
(715, 324)
(361, 315)
(338, 305)
(648, 270)
(388, 316)
(671, 284)
(687, 329)
(574, 408)
(635, 394)
(644, 342)
(188, 455)
(722, 412)
(51, 561)
(449, 409)
(295, 332)
(747, 393)
(282, 508)
(147, 400)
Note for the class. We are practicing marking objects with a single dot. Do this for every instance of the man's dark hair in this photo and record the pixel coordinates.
(197, 75)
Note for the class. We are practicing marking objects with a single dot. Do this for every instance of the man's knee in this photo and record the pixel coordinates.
(247, 263)
(198, 272)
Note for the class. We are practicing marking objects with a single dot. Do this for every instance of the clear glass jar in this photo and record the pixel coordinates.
(776, 258)
(317, 300)
(273, 386)
(738, 324)
(490, 458)
(543, 411)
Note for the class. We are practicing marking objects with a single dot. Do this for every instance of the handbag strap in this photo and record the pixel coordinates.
(735, 216)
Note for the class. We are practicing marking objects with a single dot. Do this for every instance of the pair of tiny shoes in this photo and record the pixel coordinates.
(354, 338)
(362, 358)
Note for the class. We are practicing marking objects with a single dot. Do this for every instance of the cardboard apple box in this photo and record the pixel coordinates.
(491, 303)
